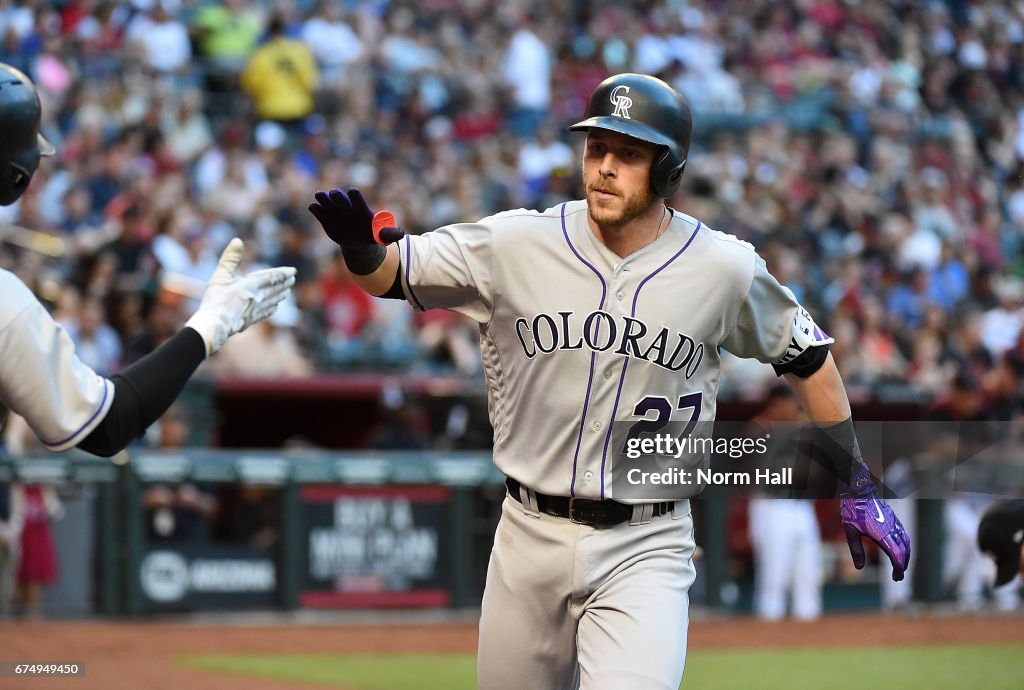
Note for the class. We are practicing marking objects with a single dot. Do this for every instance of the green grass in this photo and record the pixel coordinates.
(354, 672)
(934, 667)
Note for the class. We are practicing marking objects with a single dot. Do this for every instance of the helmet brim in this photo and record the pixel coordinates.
(623, 126)
(44, 145)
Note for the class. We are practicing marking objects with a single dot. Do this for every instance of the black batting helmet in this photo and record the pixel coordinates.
(21, 144)
(648, 109)
(1001, 537)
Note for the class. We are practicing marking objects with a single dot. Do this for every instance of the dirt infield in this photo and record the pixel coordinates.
(133, 655)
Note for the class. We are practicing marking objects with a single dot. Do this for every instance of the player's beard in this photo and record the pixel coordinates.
(629, 209)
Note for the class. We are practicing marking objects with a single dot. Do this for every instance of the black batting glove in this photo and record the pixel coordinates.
(351, 224)
(348, 220)
(345, 217)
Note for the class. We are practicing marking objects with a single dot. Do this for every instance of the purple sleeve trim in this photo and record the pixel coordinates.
(99, 410)
(408, 263)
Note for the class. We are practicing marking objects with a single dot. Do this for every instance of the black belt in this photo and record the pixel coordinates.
(586, 511)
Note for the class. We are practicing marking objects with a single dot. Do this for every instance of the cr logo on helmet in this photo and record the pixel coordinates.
(621, 102)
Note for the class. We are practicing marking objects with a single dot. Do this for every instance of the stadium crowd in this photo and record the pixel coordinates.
(871, 150)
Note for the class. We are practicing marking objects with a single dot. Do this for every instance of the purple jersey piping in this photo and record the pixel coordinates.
(103, 400)
(593, 356)
(625, 363)
(408, 263)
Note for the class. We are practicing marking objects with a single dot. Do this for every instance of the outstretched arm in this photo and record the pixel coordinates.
(824, 399)
(143, 392)
(449, 268)
(383, 278)
(67, 404)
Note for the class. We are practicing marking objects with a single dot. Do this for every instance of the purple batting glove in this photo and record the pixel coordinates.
(864, 513)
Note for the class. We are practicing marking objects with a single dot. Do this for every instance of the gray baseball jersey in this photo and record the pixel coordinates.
(41, 378)
(576, 341)
(574, 338)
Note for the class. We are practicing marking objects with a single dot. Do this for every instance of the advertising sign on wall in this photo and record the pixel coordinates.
(374, 546)
(184, 576)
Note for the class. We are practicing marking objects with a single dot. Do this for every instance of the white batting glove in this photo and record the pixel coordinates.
(232, 303)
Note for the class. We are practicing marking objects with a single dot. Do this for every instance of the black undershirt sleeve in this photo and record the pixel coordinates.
(144, 391)
(395, 291)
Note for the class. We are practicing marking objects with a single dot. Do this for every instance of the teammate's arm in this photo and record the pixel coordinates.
(145, 390)
(67, 404)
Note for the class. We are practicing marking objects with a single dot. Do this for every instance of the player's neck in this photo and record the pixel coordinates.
(633, 236)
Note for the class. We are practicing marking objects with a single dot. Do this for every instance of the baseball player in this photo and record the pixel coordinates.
(65, 402)
(784, 533)
(1001, 538)
(602, 312)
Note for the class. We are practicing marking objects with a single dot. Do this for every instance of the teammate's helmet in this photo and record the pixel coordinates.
(21, 144)
(646, 108)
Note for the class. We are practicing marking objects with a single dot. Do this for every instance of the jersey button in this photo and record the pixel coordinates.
(596, 426)
(620, 295)
(608, 373)
(588, 475)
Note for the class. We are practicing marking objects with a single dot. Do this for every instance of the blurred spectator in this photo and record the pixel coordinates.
(390, 336)
(160, 38)
(163, 318)
(930, 212)
(949, 281)
(281, 77)
(177, 513)
(1001, 325)
(96, 343)
(186, 127)
(880, 358)
(333, 42)
(31, 509)
(870, 166)
(212, 166)
(182, 250)
(225, 35)
(347, 311)
(248, 515)
(37, 564)
(926, 370)
(133, 262)
(447, 338)
(238, 193)
(403, 421)
(909, 300)
(527, 74)
(183, 512)
(293, 252)
(538, 158)
(173, 429)
(10, 548)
